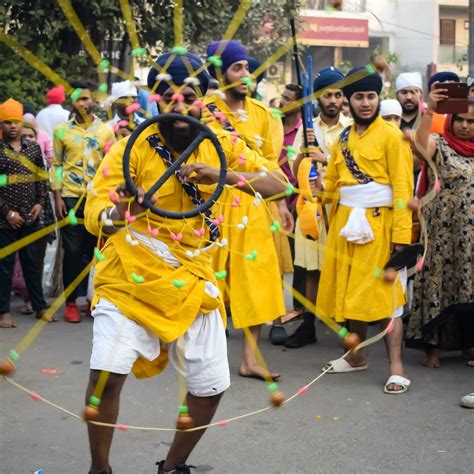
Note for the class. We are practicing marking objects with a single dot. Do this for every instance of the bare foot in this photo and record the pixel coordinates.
(40, 314)
(257, 372)
(431, 359)
(6, 321)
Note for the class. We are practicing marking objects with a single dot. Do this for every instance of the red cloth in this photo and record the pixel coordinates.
(56, 95)
(462, 147)
(288, 140)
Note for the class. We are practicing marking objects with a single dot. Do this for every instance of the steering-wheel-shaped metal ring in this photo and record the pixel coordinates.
(205, 133)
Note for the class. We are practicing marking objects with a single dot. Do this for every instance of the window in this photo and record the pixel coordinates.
(447, 32)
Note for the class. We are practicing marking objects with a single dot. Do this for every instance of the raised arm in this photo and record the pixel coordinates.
(423, 136)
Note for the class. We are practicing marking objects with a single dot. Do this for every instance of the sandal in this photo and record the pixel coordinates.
(179, 469)
(397, 380)
(341, 366)
(26, 309)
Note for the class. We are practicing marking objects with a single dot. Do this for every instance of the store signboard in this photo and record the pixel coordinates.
(334, 31)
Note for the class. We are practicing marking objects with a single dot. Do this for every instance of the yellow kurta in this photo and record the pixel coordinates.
(252, 288)
(157, 303)
(280, 239)
(309, 254)
(349, 287)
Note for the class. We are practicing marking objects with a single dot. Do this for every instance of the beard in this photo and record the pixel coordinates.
(363, 121)
(178, 139)
(329, 113)
(407, 111)
(83, 111)
(233, 92)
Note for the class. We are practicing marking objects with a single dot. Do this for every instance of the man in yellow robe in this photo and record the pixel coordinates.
(253, 289)
(154, 282)
(327, 127)
(370, 178)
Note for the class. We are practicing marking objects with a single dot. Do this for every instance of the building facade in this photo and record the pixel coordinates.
(423, 35)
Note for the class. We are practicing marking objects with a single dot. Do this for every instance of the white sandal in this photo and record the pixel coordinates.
(397, 380)
(341, 366)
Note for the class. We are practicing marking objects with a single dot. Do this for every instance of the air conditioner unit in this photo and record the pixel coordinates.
(275, 71)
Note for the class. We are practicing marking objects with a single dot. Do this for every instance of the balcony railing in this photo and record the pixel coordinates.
(451, 54)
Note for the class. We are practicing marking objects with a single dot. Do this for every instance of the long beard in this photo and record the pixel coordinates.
(361, 121)
(177, 140)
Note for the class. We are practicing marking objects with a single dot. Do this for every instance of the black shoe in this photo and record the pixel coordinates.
(180, 468)
(305, 333)
(277, 335)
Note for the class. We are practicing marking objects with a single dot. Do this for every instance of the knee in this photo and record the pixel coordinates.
(113, 385)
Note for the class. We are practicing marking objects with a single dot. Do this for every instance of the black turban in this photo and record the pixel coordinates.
(368, 83)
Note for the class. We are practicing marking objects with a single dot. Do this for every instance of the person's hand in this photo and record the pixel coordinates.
(316, 184)
(14, 219)
(136, 207)
(60, 207)
(316, 156)
(311, 136)
(286, 216)
(436, 96)
(36, 211)
(199, 173)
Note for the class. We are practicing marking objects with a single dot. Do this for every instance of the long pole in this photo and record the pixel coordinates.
(471, 38)
(298, 78)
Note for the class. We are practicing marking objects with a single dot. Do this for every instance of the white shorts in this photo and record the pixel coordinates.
(200, 354)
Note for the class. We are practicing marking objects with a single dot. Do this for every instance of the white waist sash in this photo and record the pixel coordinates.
(361, 197)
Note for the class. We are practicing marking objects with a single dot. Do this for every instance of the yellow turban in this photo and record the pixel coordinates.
(11, 110)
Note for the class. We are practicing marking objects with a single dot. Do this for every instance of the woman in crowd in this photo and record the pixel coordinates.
(443, 310)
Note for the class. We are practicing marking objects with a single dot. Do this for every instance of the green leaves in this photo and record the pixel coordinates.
(41, 26)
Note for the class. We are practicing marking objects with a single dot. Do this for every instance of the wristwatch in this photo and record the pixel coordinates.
(106, 218)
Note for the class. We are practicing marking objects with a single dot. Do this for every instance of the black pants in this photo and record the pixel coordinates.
(32, 271)
(78, 247)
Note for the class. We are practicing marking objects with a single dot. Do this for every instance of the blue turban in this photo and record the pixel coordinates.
(443, 77)
(178, 70)
(369, 83)
(254, 64)
(230, 54)
(327, 77)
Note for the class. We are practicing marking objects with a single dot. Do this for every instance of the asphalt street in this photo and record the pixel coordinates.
(345, 423)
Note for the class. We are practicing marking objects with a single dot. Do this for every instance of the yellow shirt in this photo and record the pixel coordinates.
(78, 151)
(381, 153)
(157, 303)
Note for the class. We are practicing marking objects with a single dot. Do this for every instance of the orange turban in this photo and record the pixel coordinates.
(11, 110)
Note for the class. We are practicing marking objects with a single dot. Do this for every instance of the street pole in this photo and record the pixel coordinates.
(471, 38)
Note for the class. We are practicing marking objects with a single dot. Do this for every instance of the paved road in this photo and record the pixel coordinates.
(344, 424)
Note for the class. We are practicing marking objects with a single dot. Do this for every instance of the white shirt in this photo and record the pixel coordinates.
(51, 116)
(326, 135)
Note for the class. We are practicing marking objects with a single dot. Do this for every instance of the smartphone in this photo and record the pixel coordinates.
(457, 101)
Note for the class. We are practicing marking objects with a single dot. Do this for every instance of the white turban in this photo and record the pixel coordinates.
(123, 89)
(390, 107)
(409, 79)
